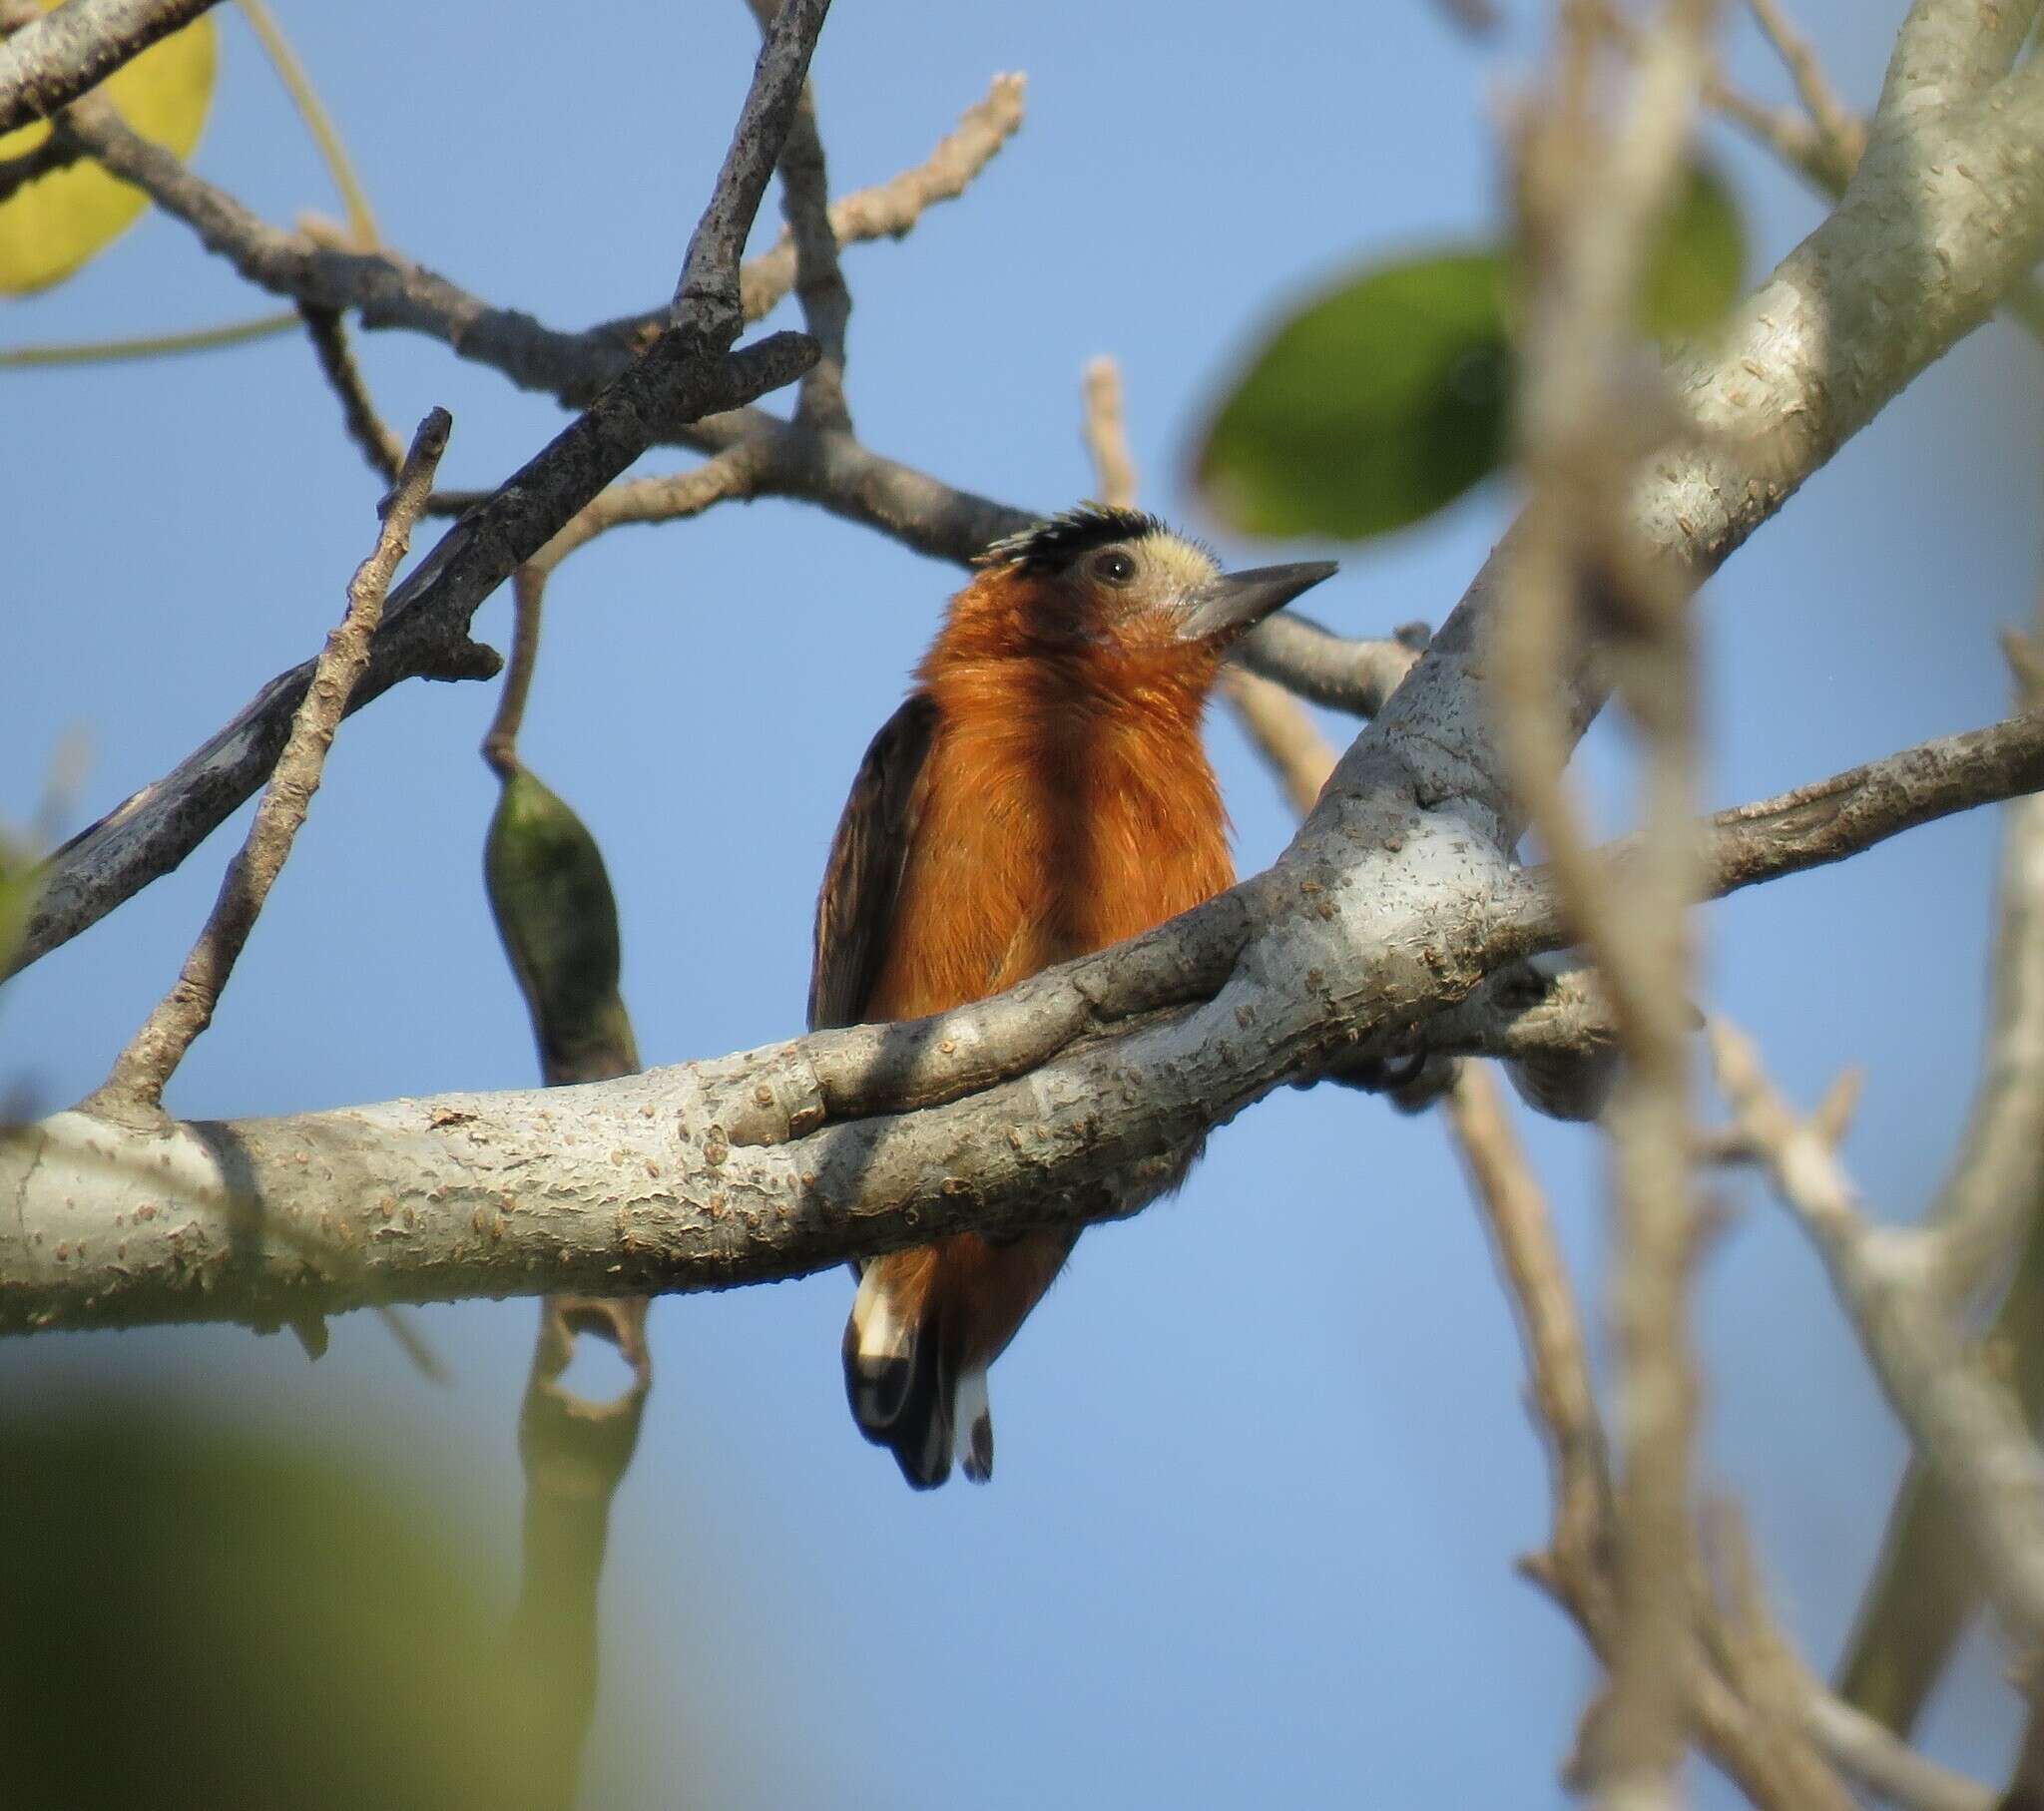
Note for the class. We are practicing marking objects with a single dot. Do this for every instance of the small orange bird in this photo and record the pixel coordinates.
(1042, 793)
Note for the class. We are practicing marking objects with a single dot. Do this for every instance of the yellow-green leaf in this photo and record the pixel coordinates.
(49, 227)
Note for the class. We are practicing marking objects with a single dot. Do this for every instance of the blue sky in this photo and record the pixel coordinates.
(1263, 1461)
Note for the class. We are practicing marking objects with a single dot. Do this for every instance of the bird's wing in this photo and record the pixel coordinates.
(855, 908)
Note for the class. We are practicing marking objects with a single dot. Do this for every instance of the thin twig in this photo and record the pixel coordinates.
(43, 159)
(1756, 1649)
(1106, 433)
(1299, 755)
(1536, 1279)
(147, 346)
(378, 445)
(152, 1055)
(500, 745)
(1924, 1589)
(575, 1450)
(1961, 1417)
(891, 208)
(729, 477)
(1844, 132)
(707, 303)
(1774, 1767)
(820, 283)
(361, 220)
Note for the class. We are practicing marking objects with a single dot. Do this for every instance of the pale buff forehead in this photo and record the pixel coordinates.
(1167, 564)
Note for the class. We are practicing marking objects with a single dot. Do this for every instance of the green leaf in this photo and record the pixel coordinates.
(557, 915)
(1376, 404)
(1382, 399)
(1696, 269)
(258, 1612)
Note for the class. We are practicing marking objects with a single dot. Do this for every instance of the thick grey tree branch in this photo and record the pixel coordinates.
(1050, 1104)
(51, 60)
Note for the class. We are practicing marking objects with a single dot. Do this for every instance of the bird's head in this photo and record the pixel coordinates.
(1117, 591)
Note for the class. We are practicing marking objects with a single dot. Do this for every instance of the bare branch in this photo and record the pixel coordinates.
(38, 161)
(1323, 667)
(376, 443)
(1769, 1672)
(706, 297)
(500, 742)
(52, 60)
(1961, 1418)
(891, 208)
(425, 632)
(138, 1073)
(1887, 1765)
(1298, 754)
(684, 375)
(1773, 1767)
(1107, 435)
(1536, 1280)
(1926, 1589)
(1825, 141)
(1997, 1179)
(1059, 1103)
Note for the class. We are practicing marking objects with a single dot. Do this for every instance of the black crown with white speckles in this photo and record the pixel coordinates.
(1064, 537)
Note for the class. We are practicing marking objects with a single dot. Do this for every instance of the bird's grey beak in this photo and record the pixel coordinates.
(1239, 599)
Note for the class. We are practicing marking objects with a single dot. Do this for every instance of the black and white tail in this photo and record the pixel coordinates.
(906, 1392)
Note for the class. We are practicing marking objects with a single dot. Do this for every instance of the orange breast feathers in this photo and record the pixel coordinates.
(1061, 816)
(1042, 795)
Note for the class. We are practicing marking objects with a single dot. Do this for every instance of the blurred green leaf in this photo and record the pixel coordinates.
(1698, 267)
(559, 920)
(1379, 402)
(1384, 398)
(201, 1620)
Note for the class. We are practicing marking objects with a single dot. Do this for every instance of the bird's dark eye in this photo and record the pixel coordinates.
(1113, 567)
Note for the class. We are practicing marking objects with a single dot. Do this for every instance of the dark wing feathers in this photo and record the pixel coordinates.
(855, 908)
